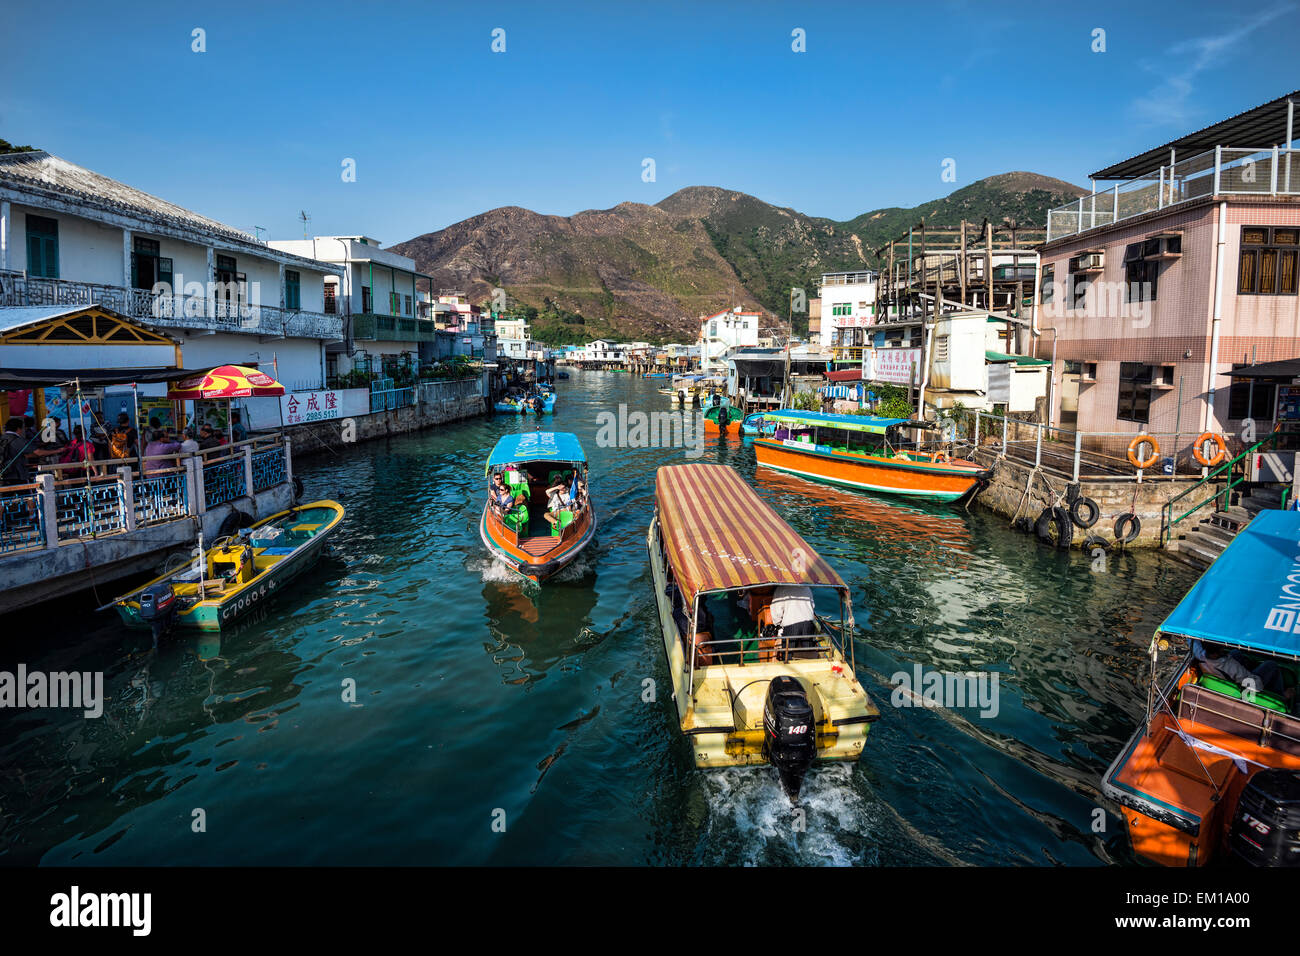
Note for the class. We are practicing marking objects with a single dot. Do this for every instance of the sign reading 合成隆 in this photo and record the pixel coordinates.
(302, 407)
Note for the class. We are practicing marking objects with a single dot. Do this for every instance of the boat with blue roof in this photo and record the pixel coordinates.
(1213, 770)
(538, 516)
(865, 452)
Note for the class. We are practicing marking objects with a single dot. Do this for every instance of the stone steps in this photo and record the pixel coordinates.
(1205, 541)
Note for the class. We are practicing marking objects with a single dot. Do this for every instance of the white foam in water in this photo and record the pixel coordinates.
(495, 572)
(748, 805)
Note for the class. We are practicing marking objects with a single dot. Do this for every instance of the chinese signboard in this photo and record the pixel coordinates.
(893, 365)
(302, 407)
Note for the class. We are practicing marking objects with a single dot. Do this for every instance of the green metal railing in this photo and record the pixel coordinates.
(1167, 521)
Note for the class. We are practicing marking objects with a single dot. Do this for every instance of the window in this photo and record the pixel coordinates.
(1048, 286)
(394, 303)
(406, 302)
(1134, 395)
(147, 266)
(230, 282)
(292, 290)
(1248, 398)
(42, 247)
(331, 299)
(842, 308)
(366, 304)
(1079, 291)
(1141, 272)
(1268, 261)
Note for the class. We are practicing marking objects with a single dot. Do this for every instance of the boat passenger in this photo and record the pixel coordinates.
(558, 498)
(502, 497)
(1212, 659)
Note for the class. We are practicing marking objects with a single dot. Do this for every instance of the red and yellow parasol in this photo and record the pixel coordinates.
(225, 381)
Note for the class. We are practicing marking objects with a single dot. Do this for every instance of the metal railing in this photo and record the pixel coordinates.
(1078, 454)
(1234, 477)
(170, 310)
(80, 500)
(1221, 171)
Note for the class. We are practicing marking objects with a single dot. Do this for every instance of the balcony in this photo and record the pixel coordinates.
(392, 328)
(171, 311)
(1217, 172)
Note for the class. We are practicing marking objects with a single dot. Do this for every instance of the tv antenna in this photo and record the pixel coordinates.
(258, 230)
(302, 215)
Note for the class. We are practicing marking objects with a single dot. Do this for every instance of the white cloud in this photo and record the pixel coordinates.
(1169, 103)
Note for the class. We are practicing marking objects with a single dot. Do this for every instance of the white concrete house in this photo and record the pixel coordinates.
(848, 303)
(70, 236)
(375, 292)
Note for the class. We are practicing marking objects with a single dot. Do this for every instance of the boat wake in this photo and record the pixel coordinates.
(752, 822)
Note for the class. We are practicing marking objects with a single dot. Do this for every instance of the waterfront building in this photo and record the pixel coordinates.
(847, 305)
(375, 293)
(73, 237)
(1157, 287)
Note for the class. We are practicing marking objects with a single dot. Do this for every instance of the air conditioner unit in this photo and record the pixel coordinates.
(1090, 261)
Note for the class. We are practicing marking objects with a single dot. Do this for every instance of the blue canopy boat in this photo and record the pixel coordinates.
(1213, 770)
(541, 403)
(538, 517)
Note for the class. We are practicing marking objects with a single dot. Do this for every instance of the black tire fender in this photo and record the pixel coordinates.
(1127, 527)
(1095, 541)
(1064, 528)
(297, 488)
(230, 524)
(1090, 512)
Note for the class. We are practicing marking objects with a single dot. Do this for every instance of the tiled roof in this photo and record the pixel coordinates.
(41, 170)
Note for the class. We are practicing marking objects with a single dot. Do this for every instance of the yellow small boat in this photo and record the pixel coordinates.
(780, 687)
(239, 573)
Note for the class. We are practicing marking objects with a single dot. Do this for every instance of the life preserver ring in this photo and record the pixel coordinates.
(1198, 451)
(1137, 443)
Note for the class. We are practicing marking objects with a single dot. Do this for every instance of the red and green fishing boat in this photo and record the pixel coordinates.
(866, 452)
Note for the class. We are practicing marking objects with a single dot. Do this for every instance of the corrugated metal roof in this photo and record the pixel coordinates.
(16, 317)
(1258, 128)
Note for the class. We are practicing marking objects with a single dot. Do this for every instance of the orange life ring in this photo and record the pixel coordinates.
(1199, 454)
(1137, 443)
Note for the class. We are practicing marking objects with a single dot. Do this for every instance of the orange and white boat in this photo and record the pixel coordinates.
(862, 451)
(1213, 771)
(538, 517)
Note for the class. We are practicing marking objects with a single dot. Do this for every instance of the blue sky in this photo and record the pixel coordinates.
(256, 128)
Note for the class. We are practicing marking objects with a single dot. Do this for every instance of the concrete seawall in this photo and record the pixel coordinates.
(437, 404)
(1006, 495)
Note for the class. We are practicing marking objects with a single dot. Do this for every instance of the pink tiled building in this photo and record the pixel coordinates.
(1156, 288)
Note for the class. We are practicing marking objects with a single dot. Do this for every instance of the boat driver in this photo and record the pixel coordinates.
(792, 614)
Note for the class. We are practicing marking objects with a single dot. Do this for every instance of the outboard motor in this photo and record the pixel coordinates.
(1266, 827)
(789, 733)
(158, 606)
(539, 405)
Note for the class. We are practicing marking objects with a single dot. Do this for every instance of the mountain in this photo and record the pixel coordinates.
(647, 272)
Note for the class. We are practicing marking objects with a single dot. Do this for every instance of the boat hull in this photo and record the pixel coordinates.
(506, 548)
(933, 481)
(844, 712)
(213, 614)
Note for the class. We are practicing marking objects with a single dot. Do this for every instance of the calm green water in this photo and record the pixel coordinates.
(478, 692)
